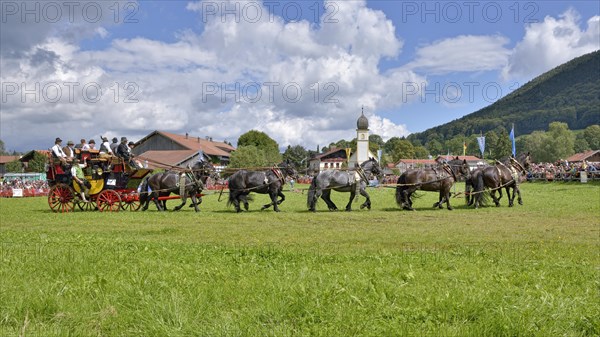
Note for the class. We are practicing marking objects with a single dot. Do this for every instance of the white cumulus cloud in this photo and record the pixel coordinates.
(549, 43)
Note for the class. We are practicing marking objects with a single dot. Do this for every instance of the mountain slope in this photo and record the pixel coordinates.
(569, 93)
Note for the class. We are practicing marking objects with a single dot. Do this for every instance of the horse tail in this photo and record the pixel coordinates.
(232, 196)
(482, 195)
(400, 189)
(143, 190)
(468, 184)
(312, 193)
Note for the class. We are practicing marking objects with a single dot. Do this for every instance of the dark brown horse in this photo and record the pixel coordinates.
(270, 182)
(440, 179)
(505, 175)
(186, 184)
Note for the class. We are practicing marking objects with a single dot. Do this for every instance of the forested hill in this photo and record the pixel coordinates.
(569, 93)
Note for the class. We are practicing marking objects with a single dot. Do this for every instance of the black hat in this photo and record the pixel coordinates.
(131, 143)
(92, 141)
(57, 140)
(104, 139)
(115, 139)
(124, 139)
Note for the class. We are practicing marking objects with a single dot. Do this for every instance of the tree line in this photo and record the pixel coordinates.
(257, 149)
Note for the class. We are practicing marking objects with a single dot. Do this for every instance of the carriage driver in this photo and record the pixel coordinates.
(79, 178)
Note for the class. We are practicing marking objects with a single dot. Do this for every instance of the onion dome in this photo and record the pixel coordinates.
(362, 123)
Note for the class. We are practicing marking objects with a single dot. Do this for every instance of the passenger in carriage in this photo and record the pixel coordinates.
(89, 146)
(79, 178)
(57, 151)
(123, 149)
(137, 163)
(69, 151)
(114, 145)
(105, 151)
(81, 144)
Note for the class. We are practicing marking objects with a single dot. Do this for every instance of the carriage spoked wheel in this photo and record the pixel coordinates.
(130, 201)
(87, 206)
(108, 201)
(61, 198)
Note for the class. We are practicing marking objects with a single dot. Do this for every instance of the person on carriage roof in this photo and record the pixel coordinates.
(69, 150)
(123, 149)
(105, 150)
(114, 145)
(81, 144)
(89, 146)
(58, 152)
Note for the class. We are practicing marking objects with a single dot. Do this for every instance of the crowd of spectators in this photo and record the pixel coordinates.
(564, 171)
(29, 188)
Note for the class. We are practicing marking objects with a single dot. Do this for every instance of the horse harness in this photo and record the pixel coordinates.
(182, 182)
(445, 169)
(358, 175)
(513, 171)
(277, 172)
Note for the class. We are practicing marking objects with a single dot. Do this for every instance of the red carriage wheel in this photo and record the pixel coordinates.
(130, 201)
(87, 206)
(109, 201)
(61, 198)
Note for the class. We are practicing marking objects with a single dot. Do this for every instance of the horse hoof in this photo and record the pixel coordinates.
(520, 202)
(450, 208)
(436, 205)
(348, 209)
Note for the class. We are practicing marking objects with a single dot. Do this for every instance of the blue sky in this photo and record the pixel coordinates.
(190, 66)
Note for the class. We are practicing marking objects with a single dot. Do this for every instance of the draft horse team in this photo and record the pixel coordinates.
(441, 178)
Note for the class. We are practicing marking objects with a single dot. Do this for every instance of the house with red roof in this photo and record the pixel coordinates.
(5, 160)
(592, 156)
(163, 149)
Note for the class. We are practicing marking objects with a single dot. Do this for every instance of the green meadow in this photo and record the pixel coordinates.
(531, 270)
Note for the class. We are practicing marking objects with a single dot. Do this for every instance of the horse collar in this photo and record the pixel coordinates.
(277, 173)
(520, 167)
(449, 170)
(362, 174)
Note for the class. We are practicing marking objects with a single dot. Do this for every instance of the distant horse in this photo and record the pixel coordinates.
(270, 182)
(502, 175)
(439, 179)
(350, 181)
(186, 184)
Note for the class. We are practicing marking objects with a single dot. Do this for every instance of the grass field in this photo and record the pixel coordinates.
(531, 270)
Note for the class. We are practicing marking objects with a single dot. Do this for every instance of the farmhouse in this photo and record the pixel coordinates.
(592, 156)
(162, 148)
(472, 161)
(408, 164)
(5, 160)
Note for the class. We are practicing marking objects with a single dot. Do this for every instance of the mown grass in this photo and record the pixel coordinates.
(531, 270)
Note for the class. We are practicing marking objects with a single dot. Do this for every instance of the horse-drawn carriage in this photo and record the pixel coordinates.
(113, 184)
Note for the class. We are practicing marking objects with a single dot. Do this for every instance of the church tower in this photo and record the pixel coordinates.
(362, 138)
